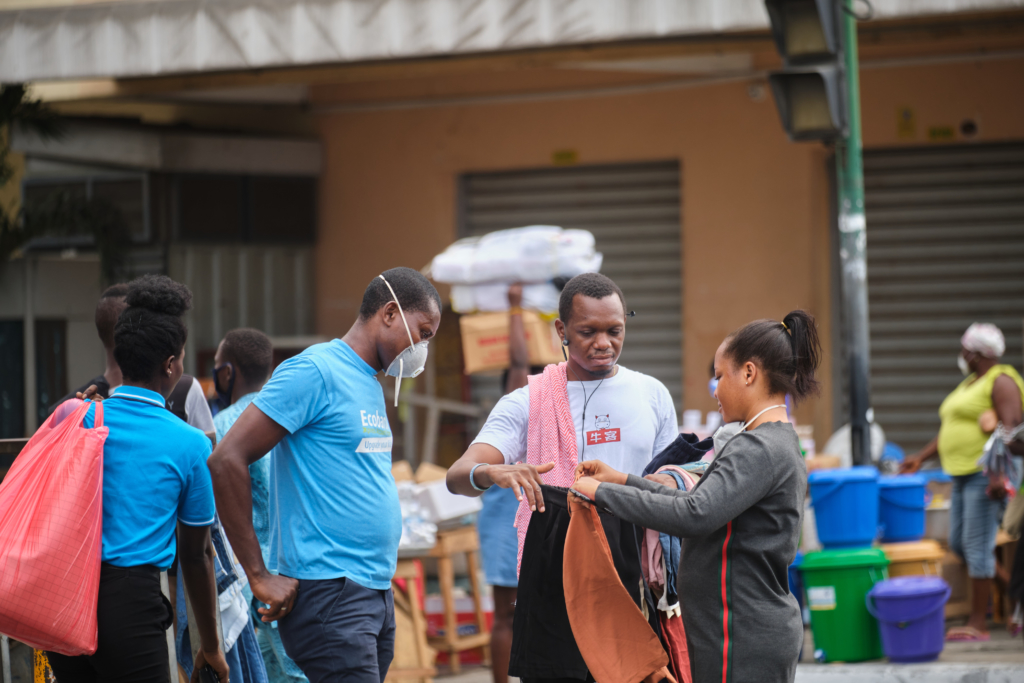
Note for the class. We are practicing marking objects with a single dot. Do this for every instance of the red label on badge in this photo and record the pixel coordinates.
(602, 436)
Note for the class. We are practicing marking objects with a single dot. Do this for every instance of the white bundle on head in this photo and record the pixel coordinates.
(984, 338)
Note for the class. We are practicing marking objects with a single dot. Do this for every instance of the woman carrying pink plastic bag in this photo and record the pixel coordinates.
(154, 478)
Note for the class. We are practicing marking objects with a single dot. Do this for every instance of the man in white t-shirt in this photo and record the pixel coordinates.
(620, 416)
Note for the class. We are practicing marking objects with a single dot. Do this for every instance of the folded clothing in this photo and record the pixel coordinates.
(685, 449)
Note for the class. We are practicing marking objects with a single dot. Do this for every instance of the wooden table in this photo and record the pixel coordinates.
(461, 540)
(451, 542)
(407, 602)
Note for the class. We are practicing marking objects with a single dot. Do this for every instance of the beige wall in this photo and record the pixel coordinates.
(755, 206)
(942, 96)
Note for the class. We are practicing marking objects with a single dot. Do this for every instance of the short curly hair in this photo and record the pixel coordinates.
(412, 288)
(590, 285)
(151, 329)
(250, 351)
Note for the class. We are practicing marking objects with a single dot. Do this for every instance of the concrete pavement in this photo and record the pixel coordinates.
(1000, 660)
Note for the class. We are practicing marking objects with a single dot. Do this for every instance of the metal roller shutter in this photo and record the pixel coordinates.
(634, 213)
(945, 249)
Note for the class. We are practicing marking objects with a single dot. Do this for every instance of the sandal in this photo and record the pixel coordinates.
(966, 634)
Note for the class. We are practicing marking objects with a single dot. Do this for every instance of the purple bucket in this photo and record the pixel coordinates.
(910, 616)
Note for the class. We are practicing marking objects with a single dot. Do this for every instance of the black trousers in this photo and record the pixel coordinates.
(339, 630)
(133, 617)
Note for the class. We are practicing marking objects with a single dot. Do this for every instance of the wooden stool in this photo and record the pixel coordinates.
(461, 540)
(407, 602)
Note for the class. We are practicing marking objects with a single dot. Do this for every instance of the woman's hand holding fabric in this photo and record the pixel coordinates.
(587, 486)
(601, 472)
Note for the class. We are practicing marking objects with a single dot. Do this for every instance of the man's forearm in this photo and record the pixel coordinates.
(198, 573)
(476, 454)
(232, 487)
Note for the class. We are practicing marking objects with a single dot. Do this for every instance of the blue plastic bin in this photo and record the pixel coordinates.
(901, 504)
(795, 585)
(845, 506)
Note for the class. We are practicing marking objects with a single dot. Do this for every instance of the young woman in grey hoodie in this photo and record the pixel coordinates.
(741, 522)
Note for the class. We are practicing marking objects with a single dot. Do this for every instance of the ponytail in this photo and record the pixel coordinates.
(788, 352)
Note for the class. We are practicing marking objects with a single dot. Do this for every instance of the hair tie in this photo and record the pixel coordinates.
(786, 328)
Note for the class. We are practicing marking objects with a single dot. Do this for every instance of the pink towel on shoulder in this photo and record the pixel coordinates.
(551, 437)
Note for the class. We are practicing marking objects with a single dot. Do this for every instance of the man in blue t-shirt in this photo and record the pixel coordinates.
(335, 520)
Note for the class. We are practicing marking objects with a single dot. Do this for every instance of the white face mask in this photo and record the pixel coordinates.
(724, 433)
(961, 363)
(411, 361)
(731, 429)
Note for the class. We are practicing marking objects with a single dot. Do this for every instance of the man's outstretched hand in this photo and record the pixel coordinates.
(523, 479)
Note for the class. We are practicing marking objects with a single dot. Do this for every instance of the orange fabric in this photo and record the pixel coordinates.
(612, 634)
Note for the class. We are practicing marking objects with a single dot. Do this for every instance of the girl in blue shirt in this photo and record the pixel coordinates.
(155, 479)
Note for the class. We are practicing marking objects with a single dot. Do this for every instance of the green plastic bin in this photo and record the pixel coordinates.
(835, 582)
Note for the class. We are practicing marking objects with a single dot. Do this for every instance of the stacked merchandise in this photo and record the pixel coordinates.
(480, 271)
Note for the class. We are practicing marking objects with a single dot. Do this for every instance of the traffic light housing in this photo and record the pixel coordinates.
(809, 91)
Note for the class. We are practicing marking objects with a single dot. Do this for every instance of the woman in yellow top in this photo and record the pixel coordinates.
(978, 501)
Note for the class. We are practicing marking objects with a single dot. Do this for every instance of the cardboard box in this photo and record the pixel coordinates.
(485, 341)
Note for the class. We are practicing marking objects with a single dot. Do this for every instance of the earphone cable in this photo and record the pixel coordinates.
(586, 401)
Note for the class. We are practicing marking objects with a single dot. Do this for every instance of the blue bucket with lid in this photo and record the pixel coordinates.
(911, 616)
(901, 505)
(845, 506)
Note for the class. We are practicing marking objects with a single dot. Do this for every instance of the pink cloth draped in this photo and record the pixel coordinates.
(551, 437)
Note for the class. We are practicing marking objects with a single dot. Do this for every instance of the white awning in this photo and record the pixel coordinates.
(132, 38)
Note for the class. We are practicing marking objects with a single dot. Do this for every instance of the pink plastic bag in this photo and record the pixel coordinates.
(51, 532)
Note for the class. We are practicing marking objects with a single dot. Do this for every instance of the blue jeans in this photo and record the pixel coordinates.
(973, 523)
(340, 631)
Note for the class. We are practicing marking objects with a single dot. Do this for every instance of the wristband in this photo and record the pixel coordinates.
(472, 471)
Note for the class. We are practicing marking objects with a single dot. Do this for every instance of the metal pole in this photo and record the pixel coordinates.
(852, 252)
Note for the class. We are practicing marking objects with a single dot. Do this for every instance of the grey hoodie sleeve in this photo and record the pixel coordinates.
(740, 477)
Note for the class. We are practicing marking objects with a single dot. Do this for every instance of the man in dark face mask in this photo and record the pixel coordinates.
(335, 521)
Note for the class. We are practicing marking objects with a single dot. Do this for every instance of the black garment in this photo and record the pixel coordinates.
(542, 642)
(176, 401)
(1016, 588)
(102, 388)
(133, 617)
(686, 448)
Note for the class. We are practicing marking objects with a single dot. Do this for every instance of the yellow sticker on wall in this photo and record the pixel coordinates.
(906, 123)
(564, 157)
